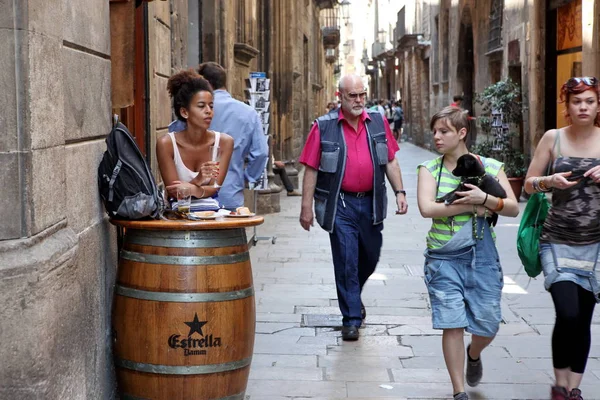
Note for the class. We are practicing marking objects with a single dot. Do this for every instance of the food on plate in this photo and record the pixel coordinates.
(205, 213)
(242, 211)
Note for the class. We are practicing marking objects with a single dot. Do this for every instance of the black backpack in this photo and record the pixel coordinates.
(126, 184)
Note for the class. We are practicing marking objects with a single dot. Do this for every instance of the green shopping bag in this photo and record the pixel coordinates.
(528, 236)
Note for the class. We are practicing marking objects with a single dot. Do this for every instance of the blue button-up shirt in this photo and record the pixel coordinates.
(241, 122)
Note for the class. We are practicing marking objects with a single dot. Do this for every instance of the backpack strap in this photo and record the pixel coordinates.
(555, 146)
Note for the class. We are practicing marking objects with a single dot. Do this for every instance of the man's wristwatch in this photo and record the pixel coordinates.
(399, 191)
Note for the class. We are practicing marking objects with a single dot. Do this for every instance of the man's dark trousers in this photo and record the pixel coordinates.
(355, 247)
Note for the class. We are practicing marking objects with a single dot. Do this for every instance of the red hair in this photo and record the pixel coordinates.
(568, 89)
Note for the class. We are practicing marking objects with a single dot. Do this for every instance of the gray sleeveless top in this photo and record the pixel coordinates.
(574, 217)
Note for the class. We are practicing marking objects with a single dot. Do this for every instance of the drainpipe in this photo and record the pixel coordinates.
(147, 85)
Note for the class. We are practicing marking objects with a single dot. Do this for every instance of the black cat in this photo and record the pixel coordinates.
(470, 170)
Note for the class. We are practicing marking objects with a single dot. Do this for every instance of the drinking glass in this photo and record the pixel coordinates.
(184, 199)
(215, 155)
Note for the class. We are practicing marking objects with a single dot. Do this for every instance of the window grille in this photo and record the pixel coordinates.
(495, 39)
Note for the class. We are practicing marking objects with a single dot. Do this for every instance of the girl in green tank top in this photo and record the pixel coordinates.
(456, 304)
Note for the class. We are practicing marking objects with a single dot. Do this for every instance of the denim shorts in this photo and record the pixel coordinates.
(465, 289)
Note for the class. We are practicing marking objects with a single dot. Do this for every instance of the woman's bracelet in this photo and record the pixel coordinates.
(486, 197)
(539, 185)
(203, 192)
(500, 205)
(543, 186)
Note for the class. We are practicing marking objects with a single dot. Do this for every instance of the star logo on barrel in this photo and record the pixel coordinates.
(196, 325)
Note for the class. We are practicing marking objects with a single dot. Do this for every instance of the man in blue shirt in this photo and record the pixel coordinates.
(241, 122)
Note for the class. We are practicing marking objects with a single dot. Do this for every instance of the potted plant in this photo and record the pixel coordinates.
(501, 114)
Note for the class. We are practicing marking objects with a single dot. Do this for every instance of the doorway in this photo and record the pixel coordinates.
(465, 69)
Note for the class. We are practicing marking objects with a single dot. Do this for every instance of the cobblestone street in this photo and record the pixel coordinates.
(299, 353)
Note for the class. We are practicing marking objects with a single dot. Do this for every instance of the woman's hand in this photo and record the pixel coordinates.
(474, 196)
(172, 188)
(208, 171)
(559, 180)
(593, 173)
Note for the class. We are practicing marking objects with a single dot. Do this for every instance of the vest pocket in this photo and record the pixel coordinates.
(329, 159)
(381, 148)
(320, 204)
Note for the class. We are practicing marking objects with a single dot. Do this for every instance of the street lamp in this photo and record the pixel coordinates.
(346, 48)
(345, 8)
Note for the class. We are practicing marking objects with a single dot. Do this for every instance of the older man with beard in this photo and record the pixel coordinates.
(347, 154)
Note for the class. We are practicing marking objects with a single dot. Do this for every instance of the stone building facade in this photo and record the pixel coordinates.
(449, 47)
(67, 67)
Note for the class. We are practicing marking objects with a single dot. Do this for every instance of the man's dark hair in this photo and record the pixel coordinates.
(457, 97)
(213, 73)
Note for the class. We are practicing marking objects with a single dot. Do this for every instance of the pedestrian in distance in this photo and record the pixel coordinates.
(279, 169)
(243, 124)
(457, 101)
(398, 120)
(570, 237)
(347, 154)
(184, 157)
(462, 269)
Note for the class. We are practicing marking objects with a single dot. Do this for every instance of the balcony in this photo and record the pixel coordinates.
(405, 39)
(323, 4)
(377, 49)
(330, 27)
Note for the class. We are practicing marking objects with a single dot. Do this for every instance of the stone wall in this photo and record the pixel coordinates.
(57, 248)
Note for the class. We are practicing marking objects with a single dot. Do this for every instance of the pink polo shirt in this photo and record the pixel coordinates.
(358, 176)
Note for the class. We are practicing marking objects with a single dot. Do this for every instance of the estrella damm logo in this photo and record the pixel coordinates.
(194, 346)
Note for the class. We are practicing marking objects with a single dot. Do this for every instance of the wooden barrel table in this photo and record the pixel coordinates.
(184, 315)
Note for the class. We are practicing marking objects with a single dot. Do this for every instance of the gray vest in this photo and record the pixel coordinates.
(333, 165)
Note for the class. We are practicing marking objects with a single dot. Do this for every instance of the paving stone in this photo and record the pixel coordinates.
(320, 340)
(286, 373)
(373, 346)
(277, 317)
(319, 320)
(337, 360)
(272, 327)
(418, 330)
(357, 373)
(258, 389)
(440, 390)
(421, 375)
(282, 360)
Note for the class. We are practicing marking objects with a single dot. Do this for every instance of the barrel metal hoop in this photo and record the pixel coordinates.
(183, 369)
(184, 297)
(184, 260)
(186, 239)
(239, 396)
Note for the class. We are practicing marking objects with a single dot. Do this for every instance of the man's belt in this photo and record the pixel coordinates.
(358, 194)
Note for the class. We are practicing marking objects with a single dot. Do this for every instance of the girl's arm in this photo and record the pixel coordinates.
(539, 166)
(426, 191)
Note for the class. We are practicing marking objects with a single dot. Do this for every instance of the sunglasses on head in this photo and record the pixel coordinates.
(586, 80)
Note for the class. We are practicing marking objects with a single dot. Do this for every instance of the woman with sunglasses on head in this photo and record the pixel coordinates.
(570, 238)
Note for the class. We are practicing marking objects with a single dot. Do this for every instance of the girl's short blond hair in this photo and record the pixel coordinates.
(456, 116)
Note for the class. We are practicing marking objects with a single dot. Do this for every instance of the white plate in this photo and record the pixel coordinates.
(240, 216)
(198, 216)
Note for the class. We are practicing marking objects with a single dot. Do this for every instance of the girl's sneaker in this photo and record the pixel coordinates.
(559, 393)
(461, 396)
(575, 394)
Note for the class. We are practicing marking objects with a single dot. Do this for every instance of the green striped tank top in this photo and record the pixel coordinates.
(443, 228)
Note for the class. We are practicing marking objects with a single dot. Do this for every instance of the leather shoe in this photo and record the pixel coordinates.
(363, 312)
(349, 332)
